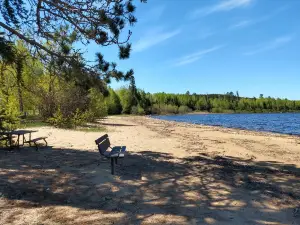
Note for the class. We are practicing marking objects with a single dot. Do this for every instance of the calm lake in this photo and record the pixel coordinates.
(285, 123)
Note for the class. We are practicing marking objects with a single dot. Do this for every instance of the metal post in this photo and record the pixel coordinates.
(18, 145)
(112, 163)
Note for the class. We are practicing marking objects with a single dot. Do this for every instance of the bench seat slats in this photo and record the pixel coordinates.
(36, 139)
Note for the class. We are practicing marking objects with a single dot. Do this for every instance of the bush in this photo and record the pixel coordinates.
(78, 118)
(10, 116)
(155, 109)
(184, 109)
(169, 109)
(217, 110)
(113, 103)
(137, 110)
(58, 120)
(141, 111)
(97, 105)
(134, 110)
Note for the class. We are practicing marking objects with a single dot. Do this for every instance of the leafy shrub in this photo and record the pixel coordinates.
(184, 109)
(217, 110)
(155, 109)
(78, 118)
(97, 105)
(113, 103)
(134, 110)
(140, 110)
(10, 116)
(58, 120)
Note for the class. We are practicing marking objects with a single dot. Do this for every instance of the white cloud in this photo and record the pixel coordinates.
(196, 56)
(223, 5)
(153, 37)
(246, 23)
(274, 44)
(241, 24)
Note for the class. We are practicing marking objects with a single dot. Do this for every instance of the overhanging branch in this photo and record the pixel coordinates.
(31, 41)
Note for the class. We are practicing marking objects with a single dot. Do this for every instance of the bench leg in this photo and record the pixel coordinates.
(36, 146)
(116, 160)
(18, 145)
(46, 142)
(112, 163)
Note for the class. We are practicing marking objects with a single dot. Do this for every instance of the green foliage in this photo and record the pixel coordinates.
(113, 103)
(140, 110)
(125, 98)
(165, 103)
(78, 118)
(58, 120)
(137, 110)
(184, 109)
(97, 107)
(101, 22)
(9, 115)
(67, 116)
(134, 110)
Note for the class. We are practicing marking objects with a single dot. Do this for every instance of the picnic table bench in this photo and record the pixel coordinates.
(35, 140)
(107, 151)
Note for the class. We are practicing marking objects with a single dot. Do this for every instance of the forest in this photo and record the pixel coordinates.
(139, 102)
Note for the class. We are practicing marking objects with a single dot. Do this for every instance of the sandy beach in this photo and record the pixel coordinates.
(173, 173)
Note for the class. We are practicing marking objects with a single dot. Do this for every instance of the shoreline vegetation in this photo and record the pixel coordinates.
(35, 89)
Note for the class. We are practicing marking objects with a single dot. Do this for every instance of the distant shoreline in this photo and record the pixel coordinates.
(251, 124)
(213, 113)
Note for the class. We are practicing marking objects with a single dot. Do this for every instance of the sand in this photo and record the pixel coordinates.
(173, 173)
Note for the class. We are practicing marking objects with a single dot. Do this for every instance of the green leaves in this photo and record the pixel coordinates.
(7, 51)
(64, 22)
(124, 51)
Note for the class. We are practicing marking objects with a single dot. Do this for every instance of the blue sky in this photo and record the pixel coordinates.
(215, 46)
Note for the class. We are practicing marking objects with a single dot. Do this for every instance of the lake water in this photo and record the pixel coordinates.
(285, 123)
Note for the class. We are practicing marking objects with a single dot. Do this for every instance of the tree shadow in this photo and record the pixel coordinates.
(117, 124)
(149, 188)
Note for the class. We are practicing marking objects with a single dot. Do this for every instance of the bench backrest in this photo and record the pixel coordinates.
(103, 144)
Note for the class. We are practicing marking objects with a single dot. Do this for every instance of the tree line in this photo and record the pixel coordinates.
(165, 103)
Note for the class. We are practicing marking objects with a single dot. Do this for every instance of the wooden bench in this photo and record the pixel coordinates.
(35, 140)
(107, 151)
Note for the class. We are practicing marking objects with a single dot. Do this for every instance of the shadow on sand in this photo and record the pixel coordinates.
(149, 188)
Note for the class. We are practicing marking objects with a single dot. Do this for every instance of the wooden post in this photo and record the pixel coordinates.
(112, 162)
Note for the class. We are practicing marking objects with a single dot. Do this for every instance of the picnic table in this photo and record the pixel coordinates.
(10, 134)
(19, 133)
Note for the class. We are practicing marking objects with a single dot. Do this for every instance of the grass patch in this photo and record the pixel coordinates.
(33, 121)
(29, 124)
